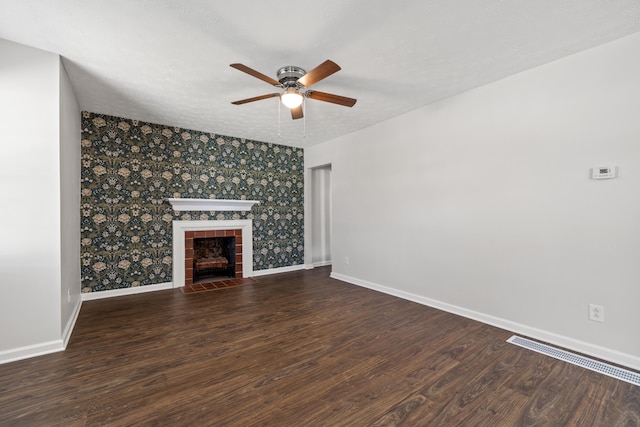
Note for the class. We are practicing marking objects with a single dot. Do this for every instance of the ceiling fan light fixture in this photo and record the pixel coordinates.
(295, 83)
(291, 98)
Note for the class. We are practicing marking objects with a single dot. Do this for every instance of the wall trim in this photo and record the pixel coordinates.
(66, 334)
(322, 263)
(29, 351)
(309, 266)
(613, 356)
(41, 349)
(279, 270)
(88, 296)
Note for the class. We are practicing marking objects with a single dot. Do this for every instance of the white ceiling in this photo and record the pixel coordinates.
(167, 61)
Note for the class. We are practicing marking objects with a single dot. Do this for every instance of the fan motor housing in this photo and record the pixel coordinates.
(288, 76)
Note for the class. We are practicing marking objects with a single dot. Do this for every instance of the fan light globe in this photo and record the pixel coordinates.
(291, 98)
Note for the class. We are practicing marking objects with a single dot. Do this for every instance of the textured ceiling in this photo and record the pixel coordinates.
(167, 61)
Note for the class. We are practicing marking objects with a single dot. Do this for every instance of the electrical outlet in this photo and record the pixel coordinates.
(68, 295)
(596, 313)
(346, 260)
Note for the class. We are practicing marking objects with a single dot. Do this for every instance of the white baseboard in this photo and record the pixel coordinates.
(597, 351)
(126, 291)
(169, 285)
(31, 351)
(279, 270)
(66, 334)
(41, 349)
(321, 263)
(309, 266)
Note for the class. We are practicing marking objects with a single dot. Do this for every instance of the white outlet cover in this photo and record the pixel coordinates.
(596, 313)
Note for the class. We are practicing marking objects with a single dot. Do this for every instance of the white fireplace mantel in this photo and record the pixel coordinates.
(211, 204)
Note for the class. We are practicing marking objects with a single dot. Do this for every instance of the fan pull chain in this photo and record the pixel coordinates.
(279, 134)
(304, 118)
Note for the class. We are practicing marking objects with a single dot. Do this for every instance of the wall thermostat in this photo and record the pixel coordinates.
(603, 172)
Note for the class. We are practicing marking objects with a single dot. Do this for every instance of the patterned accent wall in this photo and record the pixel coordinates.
(130, 168)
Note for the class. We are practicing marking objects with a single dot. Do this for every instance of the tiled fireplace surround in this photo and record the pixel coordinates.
(189, 236)
(185, 231)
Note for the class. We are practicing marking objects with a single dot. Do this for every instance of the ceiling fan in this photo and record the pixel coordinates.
(296, 82)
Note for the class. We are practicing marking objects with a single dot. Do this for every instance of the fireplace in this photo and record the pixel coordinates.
(234, 235)
(212, 255)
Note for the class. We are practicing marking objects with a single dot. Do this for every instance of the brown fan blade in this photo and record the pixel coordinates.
(328, 97)
(255, 73)
(296, 113)
(256, 98)
(320, 72)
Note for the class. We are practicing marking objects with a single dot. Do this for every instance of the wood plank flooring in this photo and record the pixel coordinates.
(299, 349)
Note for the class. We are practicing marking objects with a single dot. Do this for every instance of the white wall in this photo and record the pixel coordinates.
(490, 202)
(30, 185)
(70, 205)
(320, 218)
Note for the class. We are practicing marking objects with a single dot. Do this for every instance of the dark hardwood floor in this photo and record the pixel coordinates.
(299, 349)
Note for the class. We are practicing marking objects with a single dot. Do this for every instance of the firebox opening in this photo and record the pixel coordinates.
(213, 259)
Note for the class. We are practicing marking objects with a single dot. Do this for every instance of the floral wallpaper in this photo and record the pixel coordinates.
(130, 168)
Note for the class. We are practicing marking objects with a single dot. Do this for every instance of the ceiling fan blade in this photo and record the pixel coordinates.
(296, 113)
(255, 73)
(255, 98)
(328, 97)
(322, 71)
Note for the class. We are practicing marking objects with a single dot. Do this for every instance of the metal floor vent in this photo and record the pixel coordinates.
(585, 362)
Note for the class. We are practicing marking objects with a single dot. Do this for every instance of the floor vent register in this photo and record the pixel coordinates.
(585, 362)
